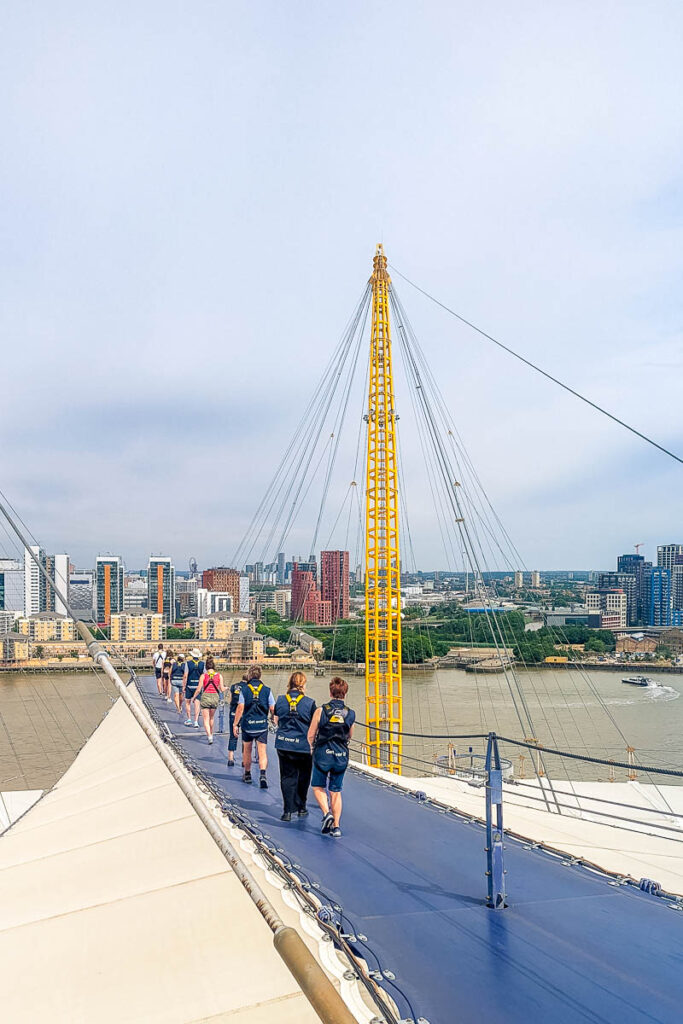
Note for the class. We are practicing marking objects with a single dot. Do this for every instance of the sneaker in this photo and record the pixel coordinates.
(303, 813)
(247, 778)
(327, 823)
(336, 832)
(263, 781)
(196, 725)
(286, 816)
(210, 739)
(231, 764)
(188, 721)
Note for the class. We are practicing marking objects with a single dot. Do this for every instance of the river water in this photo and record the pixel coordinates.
(46, 718)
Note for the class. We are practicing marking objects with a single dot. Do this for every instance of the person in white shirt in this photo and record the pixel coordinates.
(158, 662)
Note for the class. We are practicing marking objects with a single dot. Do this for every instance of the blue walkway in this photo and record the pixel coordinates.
(569, 948)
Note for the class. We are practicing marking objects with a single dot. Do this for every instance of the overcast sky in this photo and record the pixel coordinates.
(191, 197)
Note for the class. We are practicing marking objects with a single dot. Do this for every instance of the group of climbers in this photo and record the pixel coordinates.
(312, 743)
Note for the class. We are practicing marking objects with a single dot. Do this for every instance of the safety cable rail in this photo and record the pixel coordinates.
(309, 893)
(631, 766)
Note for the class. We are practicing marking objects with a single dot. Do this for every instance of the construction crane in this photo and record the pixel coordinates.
(638, 547)
(383, 696)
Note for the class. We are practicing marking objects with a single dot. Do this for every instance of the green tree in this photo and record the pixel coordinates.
(272, 652)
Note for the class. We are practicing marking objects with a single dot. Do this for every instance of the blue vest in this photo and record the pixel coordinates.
(195, 670)
(256, 704)
(178, 670)
(331, 748)
(294, 713)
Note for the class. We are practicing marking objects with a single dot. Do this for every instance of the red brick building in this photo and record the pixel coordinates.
(334, 582)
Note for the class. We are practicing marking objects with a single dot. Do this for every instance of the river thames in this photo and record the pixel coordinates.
(45, 718)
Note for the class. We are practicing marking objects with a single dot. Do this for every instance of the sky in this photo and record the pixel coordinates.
(191, 194)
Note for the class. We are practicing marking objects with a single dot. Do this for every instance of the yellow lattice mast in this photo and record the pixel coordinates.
(384, 709)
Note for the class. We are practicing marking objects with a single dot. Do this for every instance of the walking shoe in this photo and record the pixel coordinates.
(210, 739)
(286, 816)
(327, 823)
(231, 764)
(196, 725)
(246, 777)
(336, 832)
(263, 781)
(188, 721)
(303, 813)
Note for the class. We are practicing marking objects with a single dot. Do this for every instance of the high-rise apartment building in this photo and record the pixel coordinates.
(519, 580)
(244, 595)
(334, 582)
(34, 581)
(226, 580)
(657, 592)
(108, 588)
(57, 567)
(666, 555)
(535, 579)
(161, 587)
(628, 582)
(11, 585)
(302, 585)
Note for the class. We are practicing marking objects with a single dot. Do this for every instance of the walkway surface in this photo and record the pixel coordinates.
(569, 948)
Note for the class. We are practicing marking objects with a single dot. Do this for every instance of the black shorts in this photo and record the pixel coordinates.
(261, 738)
(157, 673)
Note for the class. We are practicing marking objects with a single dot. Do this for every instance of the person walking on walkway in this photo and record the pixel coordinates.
(209, 690)
(177, 676)
(166, 674)
(194, 670)
(234, 693)
(292, 716)
(329, 733)
(158, 662)
(254, 704)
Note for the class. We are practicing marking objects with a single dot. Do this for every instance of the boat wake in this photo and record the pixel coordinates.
(653, 691)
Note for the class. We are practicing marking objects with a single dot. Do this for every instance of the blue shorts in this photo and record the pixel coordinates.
(177, 685)
(261, 738)
(157, 673)
(190, 691)
(319, 779)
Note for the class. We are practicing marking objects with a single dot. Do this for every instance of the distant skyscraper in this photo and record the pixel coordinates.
(161, 587)
(281, 567)
(666, 555)
(519, 580)
(11, 585)
(108, 587)
(34, 582)
(57, 567)
(334, 582)
(657, 586)
(535, 579)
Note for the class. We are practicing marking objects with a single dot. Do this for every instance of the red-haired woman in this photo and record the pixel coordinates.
(329, 734)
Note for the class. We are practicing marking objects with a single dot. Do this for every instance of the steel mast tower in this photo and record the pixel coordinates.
(383, 691)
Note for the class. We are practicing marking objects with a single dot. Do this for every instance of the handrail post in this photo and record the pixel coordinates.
(495, 862)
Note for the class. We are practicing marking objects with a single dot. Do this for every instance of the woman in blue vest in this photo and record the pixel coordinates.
(329, 734)
(292, 716)
(254, 705)
(234, 692)
(194, 670)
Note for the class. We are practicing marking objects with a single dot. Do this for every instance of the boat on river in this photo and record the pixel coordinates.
(638, 681)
